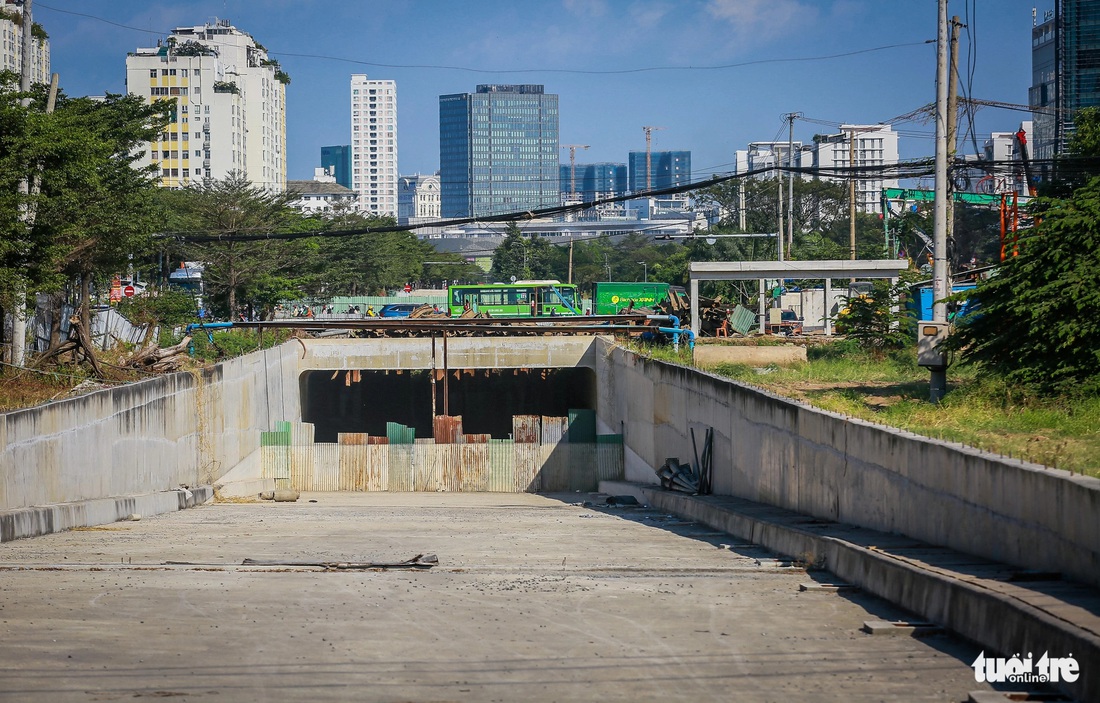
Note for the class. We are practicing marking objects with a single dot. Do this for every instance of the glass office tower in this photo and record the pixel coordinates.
(1065, 61)
(337, 160)
(498, 151)
(594, 181)
(666, 169)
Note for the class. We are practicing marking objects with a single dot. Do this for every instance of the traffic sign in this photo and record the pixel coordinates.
(128, 291)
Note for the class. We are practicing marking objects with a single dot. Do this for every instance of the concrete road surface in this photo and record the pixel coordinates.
(535, 598)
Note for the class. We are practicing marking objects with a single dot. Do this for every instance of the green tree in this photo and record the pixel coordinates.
(257, 272)
(1038, 323)
(522, 256)
(92, 209)
(1038, 320)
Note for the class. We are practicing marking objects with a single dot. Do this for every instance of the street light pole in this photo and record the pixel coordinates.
(645, 272)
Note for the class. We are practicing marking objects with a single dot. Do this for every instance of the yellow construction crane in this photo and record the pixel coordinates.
(573, 166)
(648, 163)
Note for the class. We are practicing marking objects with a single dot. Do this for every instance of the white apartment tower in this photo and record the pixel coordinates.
(374, 144)
(11, 44)
(871, 145)
(231, 109)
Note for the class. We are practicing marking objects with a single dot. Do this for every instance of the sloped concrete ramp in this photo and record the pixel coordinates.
(534, 598)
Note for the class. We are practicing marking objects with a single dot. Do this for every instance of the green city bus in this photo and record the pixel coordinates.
(519, 299)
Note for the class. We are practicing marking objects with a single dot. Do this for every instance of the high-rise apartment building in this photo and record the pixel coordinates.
(1065, 72)
(761, 157)
(11, 44)
(666, 169)
(336, 160)
(230, 113)
(859, 146)
(498, 150)
(594, 181)
(374, 144)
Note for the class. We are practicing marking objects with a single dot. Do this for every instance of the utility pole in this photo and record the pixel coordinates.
(741, 204)
(790, 117)
(938, 385)
(952, 120)
(573, 166)
(570, 259)
(779, 208)
(852, 194)
(649, 130)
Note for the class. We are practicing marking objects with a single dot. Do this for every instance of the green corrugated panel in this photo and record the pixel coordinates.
(582, 426)
(742, 319)
(609, 439)
(279, 438)
(399, 434)
(282, 426)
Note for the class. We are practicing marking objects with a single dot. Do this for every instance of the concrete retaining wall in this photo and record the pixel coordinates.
(145, 437)
(782, 452)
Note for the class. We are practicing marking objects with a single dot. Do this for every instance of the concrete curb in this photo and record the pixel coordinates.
(994, 620)
(244, 488)
(46, 519)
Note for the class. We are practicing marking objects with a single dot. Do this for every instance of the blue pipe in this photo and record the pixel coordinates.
(205, 326)
(676, 332)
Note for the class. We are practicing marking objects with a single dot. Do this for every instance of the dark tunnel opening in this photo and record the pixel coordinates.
(485, 398)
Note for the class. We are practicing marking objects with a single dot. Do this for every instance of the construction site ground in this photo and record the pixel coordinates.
(539, 598)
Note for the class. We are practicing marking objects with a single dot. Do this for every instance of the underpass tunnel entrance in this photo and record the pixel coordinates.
(364, 401)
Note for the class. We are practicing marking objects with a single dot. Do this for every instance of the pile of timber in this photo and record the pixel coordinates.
(153, 358)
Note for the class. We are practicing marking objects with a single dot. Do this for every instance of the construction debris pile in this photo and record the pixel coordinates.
(684, 477)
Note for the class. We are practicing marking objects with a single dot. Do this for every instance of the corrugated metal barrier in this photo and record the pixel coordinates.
(475, 463)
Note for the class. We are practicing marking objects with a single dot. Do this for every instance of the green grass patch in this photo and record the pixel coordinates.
(1061, 432)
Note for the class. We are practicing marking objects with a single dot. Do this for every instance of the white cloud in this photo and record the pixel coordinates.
(762, 19)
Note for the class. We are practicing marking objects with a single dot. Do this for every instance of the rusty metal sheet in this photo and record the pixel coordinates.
(353, 466)
(584, 468)
(378, 467)
(275, 464)
(301, 467)
(610, 462)
(475, 464)
(372, 439)
(526, 428)
(326, 467)
(447, 429)
(476, 438)
(351, 438)
(301, 434)
(527, 464)
(428, 462)
(452, 467)
(554, 429)
(402, 470)
(554, 463)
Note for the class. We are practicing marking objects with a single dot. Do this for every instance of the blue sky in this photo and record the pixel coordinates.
(723, 71)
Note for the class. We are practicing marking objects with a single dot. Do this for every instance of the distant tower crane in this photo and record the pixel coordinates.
(649, 130)
(573, 166)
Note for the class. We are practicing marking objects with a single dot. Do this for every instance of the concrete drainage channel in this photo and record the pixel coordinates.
(1004, 612)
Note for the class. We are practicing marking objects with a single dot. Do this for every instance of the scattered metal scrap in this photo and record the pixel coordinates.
(687, 478)
(420, 561)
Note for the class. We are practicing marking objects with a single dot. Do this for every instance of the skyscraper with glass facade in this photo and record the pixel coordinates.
(594, 180)
(498, 151)
(1065, 71)
(337, 161)
(666, 169)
